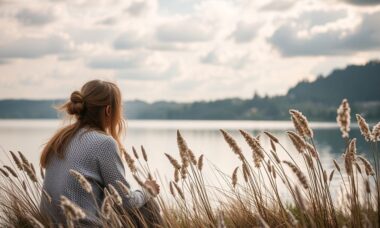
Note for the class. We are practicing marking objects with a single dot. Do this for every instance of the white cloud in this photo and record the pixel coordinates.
(178, 50)
(184, 30)
(366, 36)
(28, 47)
(34, 18)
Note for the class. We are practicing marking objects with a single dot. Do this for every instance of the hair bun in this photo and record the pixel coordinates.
(76, 104)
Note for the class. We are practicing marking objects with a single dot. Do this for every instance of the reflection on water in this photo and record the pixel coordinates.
(203, 137)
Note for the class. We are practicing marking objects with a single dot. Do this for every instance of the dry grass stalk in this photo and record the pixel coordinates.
(246, 173)
(173, 161)
(179, 190)
(135, 153)
(367, 165)
(232, 143)
(171, 188)
(301, 177)
(234, 177)
(176, 175)
(257, 151)
(200, 163)
(106, 208)
(144, 154)
(276, 157)
(24, 160)
(312, 150)
(376, 132)
(303, 123)
(336, 165)
(183, 150)
(71, 210)
(34, 222)
(29, 172)
(130, 161)
(11, 171)
(331, 175)
(115, 195)
(5, 173)
(81, 180)
(364, 128)
(344, 118)
(192, 157)
(123, 187)
(271, 136)
(297, 141)
(16, 160)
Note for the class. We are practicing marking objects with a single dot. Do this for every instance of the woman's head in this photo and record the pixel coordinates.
(98, 105)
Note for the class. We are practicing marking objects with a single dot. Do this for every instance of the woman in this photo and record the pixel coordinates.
(91, 146)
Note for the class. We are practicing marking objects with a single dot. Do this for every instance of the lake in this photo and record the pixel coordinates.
(203, 137)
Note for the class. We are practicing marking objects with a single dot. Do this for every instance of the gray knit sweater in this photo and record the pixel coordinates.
(94, 155)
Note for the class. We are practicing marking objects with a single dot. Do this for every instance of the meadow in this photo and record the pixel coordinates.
(249, 196)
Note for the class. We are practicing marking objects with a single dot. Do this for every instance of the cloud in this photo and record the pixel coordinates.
(129, 40)
(34, 18)
(279, 5)
(320, 17)
(148, 74)
(116, 62)
(137, 8)
(229, 58)
(245, 32)
(362, 2)
(33, 47)
(366, 36)
(184, 30)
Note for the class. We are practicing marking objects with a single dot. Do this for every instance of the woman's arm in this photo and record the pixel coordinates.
(112, 170)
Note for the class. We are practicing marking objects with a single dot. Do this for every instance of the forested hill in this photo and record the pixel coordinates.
(356, 83)
(318, 100)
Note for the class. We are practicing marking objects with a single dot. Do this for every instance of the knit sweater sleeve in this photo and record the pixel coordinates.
(112, 170)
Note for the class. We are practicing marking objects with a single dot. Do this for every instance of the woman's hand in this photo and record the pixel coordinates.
(152, 187)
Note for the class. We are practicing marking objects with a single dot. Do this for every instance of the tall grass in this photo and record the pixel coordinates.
(251, 196)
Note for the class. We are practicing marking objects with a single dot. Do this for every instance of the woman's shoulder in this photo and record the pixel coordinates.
(96, 138)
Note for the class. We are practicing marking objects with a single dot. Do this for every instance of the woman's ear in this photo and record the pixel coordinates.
(108, 110)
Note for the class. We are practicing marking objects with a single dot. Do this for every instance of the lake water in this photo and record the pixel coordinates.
(203, 137)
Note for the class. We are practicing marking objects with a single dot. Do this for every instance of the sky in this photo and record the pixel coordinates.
(180, 50)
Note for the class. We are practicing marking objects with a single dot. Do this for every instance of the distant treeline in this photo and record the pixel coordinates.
(360, 84)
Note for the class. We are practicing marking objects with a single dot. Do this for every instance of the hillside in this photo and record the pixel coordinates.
(318, 100)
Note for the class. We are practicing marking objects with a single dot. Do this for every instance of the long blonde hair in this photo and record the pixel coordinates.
(88, 106)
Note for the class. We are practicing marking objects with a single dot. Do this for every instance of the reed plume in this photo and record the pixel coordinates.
(71, 210)
(173, 161)
(376, 132)
(257, 151)
(232, 143)
(130, 161)
(106, 208)
(144, 154)
(301, 120)
(81, 180)
(234, 177)
(344, 118)
(135, 152)
(364, 129)
(301, 177)
(16, 160)
(123, 187)
(367, 165)
(200, 163)
(271, 136)
(183, 151)
(115, 195)
(297, 141)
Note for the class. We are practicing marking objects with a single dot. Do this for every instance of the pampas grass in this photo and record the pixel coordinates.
(255, 200)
